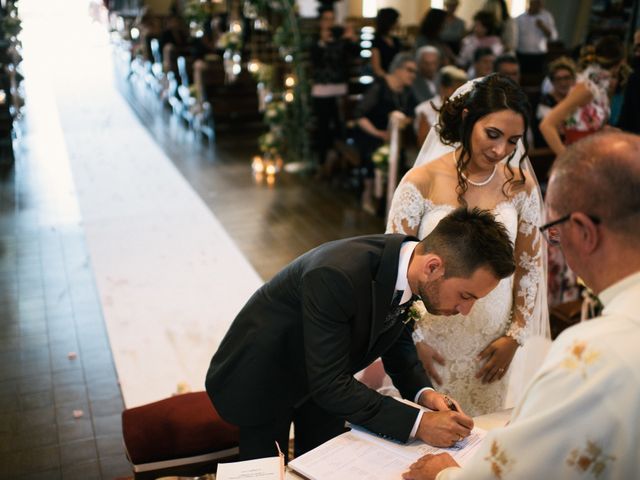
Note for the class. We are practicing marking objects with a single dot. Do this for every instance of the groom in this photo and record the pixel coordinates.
(291, 352)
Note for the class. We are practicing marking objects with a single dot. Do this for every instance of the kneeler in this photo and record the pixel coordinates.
(178, 436)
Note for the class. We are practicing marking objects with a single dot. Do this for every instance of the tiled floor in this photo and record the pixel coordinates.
(54, 353)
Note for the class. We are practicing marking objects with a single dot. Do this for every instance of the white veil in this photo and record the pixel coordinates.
(433, 148)
(530, 356)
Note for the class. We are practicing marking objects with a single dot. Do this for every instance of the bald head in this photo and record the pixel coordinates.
(600, 176)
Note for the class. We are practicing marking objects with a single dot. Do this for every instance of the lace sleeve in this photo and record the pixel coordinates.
(407, 209)
(528, 278)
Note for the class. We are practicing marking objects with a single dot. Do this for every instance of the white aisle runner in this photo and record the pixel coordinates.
(170, 279)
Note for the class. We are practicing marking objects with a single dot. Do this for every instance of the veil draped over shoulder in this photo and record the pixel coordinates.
(528, 357)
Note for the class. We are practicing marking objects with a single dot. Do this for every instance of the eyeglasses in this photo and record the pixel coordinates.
(562, 78)
(551, 232)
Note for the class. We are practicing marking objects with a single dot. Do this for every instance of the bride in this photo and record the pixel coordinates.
(476, 157)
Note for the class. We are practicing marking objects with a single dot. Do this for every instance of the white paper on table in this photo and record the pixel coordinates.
(358, 454)
(271, 468)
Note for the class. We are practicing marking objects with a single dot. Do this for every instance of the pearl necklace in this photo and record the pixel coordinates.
(483, 182)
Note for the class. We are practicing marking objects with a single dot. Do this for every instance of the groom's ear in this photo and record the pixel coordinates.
(433, 267)
(465, 112)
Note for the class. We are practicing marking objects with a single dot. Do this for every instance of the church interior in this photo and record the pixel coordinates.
(162, 159)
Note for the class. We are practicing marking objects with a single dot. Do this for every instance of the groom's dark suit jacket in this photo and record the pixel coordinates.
(307, 331)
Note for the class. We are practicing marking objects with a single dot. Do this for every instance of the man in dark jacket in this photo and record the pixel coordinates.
(291, 352)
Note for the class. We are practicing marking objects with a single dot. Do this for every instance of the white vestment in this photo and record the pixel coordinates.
(580, 416)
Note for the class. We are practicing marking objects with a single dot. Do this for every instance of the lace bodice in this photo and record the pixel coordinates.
(505, 311)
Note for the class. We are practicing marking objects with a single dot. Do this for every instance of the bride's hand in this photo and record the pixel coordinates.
(497, 356)
(428, 355)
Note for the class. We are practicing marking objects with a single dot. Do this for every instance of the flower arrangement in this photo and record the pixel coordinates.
(270, 143)
(274, 112)
(381, 158)
(11, 25)
(263, 73)
(282, 87)
(199, 11)
(416, 311)
(230, 41)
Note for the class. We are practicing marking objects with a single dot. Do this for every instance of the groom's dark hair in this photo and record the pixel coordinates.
(468, 239)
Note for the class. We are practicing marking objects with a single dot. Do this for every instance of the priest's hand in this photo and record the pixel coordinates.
(428, 467)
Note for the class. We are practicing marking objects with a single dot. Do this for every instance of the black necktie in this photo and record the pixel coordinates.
(398, 311)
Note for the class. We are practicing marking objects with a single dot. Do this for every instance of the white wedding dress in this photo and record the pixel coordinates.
(517, 307)
(459, 339)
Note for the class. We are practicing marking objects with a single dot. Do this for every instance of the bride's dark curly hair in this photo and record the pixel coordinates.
(493, 93)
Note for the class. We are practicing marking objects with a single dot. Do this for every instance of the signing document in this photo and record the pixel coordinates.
(357, 454)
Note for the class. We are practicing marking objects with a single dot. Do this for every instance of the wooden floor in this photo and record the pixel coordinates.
(272, 225)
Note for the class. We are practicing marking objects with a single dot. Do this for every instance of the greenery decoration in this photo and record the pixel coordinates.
(380, 158)
(199, 12)
(10, 23)
(288, 85)
(230, 41)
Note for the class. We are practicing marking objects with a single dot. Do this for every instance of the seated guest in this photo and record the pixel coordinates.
(425, 85)
(482, 35)
(387, 94)
(427, 112)
(562, 76)
(385, 45)
(291, 353)
(507, 65)
(580, 416)
(483, 60)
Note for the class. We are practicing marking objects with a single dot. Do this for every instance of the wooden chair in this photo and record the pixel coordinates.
(177, 436)
(564, 316)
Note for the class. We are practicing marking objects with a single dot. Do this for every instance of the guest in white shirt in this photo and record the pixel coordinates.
(536, 27)
(580, 416)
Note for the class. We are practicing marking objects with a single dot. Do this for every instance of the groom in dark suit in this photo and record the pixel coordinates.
(291, 353)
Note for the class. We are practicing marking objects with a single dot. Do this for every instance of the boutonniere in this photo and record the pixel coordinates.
(416, 311)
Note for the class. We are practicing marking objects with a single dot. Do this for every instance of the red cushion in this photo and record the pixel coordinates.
(182, 426)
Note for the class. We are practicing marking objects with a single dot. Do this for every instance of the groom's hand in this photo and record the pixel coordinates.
(438, 401)
(444, 427)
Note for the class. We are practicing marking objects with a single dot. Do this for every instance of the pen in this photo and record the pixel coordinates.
(450, 404)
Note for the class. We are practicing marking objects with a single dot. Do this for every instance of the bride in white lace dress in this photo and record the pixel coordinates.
(475, 157)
